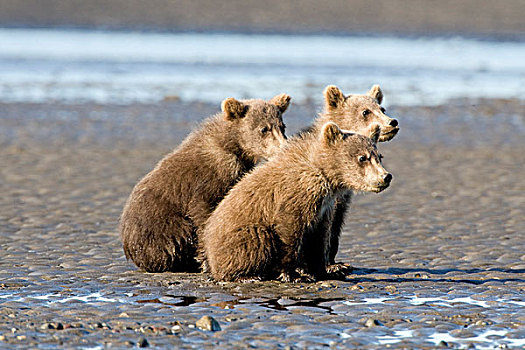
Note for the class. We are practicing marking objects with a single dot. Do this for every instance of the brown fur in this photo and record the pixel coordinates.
(258, 230)
(165, 211)
(357, 113)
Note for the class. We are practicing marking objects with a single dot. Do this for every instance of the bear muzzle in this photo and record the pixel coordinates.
(389, 131)
(384, 183)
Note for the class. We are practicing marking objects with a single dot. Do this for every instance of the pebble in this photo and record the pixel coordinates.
(208, 323)
(142, 343)
(371, 322)
(443, 344)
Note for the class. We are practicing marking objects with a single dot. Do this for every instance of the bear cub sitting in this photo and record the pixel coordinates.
(160, 223)
(258, 230)
(356, 112)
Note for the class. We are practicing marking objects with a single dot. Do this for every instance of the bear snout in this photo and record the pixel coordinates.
(383, 182)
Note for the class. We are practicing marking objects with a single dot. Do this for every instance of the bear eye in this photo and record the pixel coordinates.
(362, 159)
(366, 112)
(264, 130)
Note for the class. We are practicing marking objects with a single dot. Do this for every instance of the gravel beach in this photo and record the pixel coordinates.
(439, 257)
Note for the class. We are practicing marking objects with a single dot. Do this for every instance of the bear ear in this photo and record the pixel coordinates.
(331, 133)
(333, 98)
(233, 109)
(282, 101)
(375, 131)
(376, 93)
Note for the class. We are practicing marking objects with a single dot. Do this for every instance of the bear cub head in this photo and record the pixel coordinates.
(257, 124)
(359, 112)
(351, 160)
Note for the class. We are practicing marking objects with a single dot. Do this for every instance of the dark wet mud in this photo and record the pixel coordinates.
(439, 257)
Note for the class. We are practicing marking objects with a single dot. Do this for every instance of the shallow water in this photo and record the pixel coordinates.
(305, 316)
(38, 65)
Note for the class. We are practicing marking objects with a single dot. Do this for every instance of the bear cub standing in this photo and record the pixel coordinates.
(258, 230)
(160, 223)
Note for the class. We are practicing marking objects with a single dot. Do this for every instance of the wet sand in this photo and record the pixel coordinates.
(438, 257)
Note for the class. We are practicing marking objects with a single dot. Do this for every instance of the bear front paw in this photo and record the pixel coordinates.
(295, 277)
(338, 271)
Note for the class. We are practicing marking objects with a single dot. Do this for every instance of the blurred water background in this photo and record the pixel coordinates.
(42, 65)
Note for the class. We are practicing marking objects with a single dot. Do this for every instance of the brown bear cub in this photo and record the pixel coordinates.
(258, 230)
(354, 112)
(357, 113)
(160, 224)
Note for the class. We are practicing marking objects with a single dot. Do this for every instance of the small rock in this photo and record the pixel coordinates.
(142, 343)
(59, 326)
(443, 344)
(47, 326)
(391, 289)
(207, 323)
(372, 322)
(101, 325)
(328, 285)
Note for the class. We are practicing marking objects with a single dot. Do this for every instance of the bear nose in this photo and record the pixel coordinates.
(387, 178)
(393, 122)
